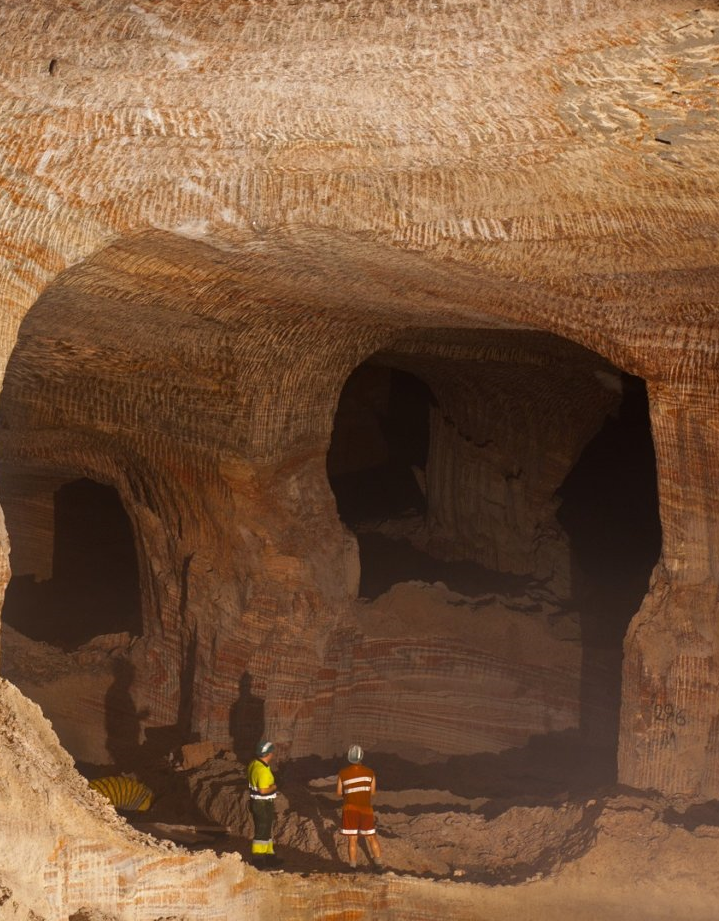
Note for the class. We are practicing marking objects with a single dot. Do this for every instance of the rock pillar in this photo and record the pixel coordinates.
(669, 734)
(241, 597)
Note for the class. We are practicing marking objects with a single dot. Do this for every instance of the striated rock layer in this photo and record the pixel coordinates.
(73, 857)
(213, 213)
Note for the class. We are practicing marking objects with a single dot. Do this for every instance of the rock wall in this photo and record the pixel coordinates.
(220, 210)
(70, 850)
(428, 673)
(241, 554)
(669, 716)
(29, 513)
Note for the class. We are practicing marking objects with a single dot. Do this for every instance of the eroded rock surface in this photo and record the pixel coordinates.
(213, 214)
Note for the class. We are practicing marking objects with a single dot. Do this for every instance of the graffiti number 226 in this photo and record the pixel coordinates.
(668, 713)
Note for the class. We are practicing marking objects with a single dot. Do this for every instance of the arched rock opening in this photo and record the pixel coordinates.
(610, 512)
(376, 466)
(73, 559)
(521, 454)
(380, 441)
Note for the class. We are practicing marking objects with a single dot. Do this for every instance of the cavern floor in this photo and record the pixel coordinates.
(480, 818)
(533, 823)
(494, 820)
(617, 857)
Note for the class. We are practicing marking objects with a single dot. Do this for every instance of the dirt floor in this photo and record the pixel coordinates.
(503, 819)
(547, 815)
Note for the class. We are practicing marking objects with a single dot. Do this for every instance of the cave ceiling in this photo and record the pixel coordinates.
(543, 165)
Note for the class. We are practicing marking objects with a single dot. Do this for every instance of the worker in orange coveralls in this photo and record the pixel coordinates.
(357, 784)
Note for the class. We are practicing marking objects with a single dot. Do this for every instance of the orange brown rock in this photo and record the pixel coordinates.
(211, 215)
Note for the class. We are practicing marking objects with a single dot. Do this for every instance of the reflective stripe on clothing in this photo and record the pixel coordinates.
(356, 781)
(357, 784)
(259, 777)
(263, 815)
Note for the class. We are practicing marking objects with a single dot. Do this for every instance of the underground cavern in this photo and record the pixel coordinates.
(360, 387)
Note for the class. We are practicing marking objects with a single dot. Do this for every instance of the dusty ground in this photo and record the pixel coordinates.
(544, 815)
(615, 856)
(449, 830)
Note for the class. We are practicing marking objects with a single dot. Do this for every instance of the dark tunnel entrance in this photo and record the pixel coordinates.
(610, 511)
(379, 446)
(377, 469)
(75, 572)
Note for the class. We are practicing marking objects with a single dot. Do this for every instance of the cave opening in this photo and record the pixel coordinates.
(531, 510)
(377, 469)
(379, 446)
(75, 571)
(610, 512)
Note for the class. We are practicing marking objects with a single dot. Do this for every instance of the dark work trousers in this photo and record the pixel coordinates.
(263, 813)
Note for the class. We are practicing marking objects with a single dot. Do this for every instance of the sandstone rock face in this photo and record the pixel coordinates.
(71, 689)
(212, 215)
(69, 849)
(72, 857)
(428, 673)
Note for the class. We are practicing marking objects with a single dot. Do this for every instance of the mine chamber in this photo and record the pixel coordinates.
(503, 497)
(343, 532)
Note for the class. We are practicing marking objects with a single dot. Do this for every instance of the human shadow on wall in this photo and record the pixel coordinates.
(162, 741)
(123, 721)
(247, 720)
(187, 691)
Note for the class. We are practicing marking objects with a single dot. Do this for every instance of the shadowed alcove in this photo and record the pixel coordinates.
(378, 453)
(610, 511)
(74, 562)
(517, 487)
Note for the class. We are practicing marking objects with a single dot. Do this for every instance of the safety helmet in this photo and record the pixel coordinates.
(355, 754)
(264, 748)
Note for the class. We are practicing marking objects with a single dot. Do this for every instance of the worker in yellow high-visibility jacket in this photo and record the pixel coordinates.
(263, 791)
